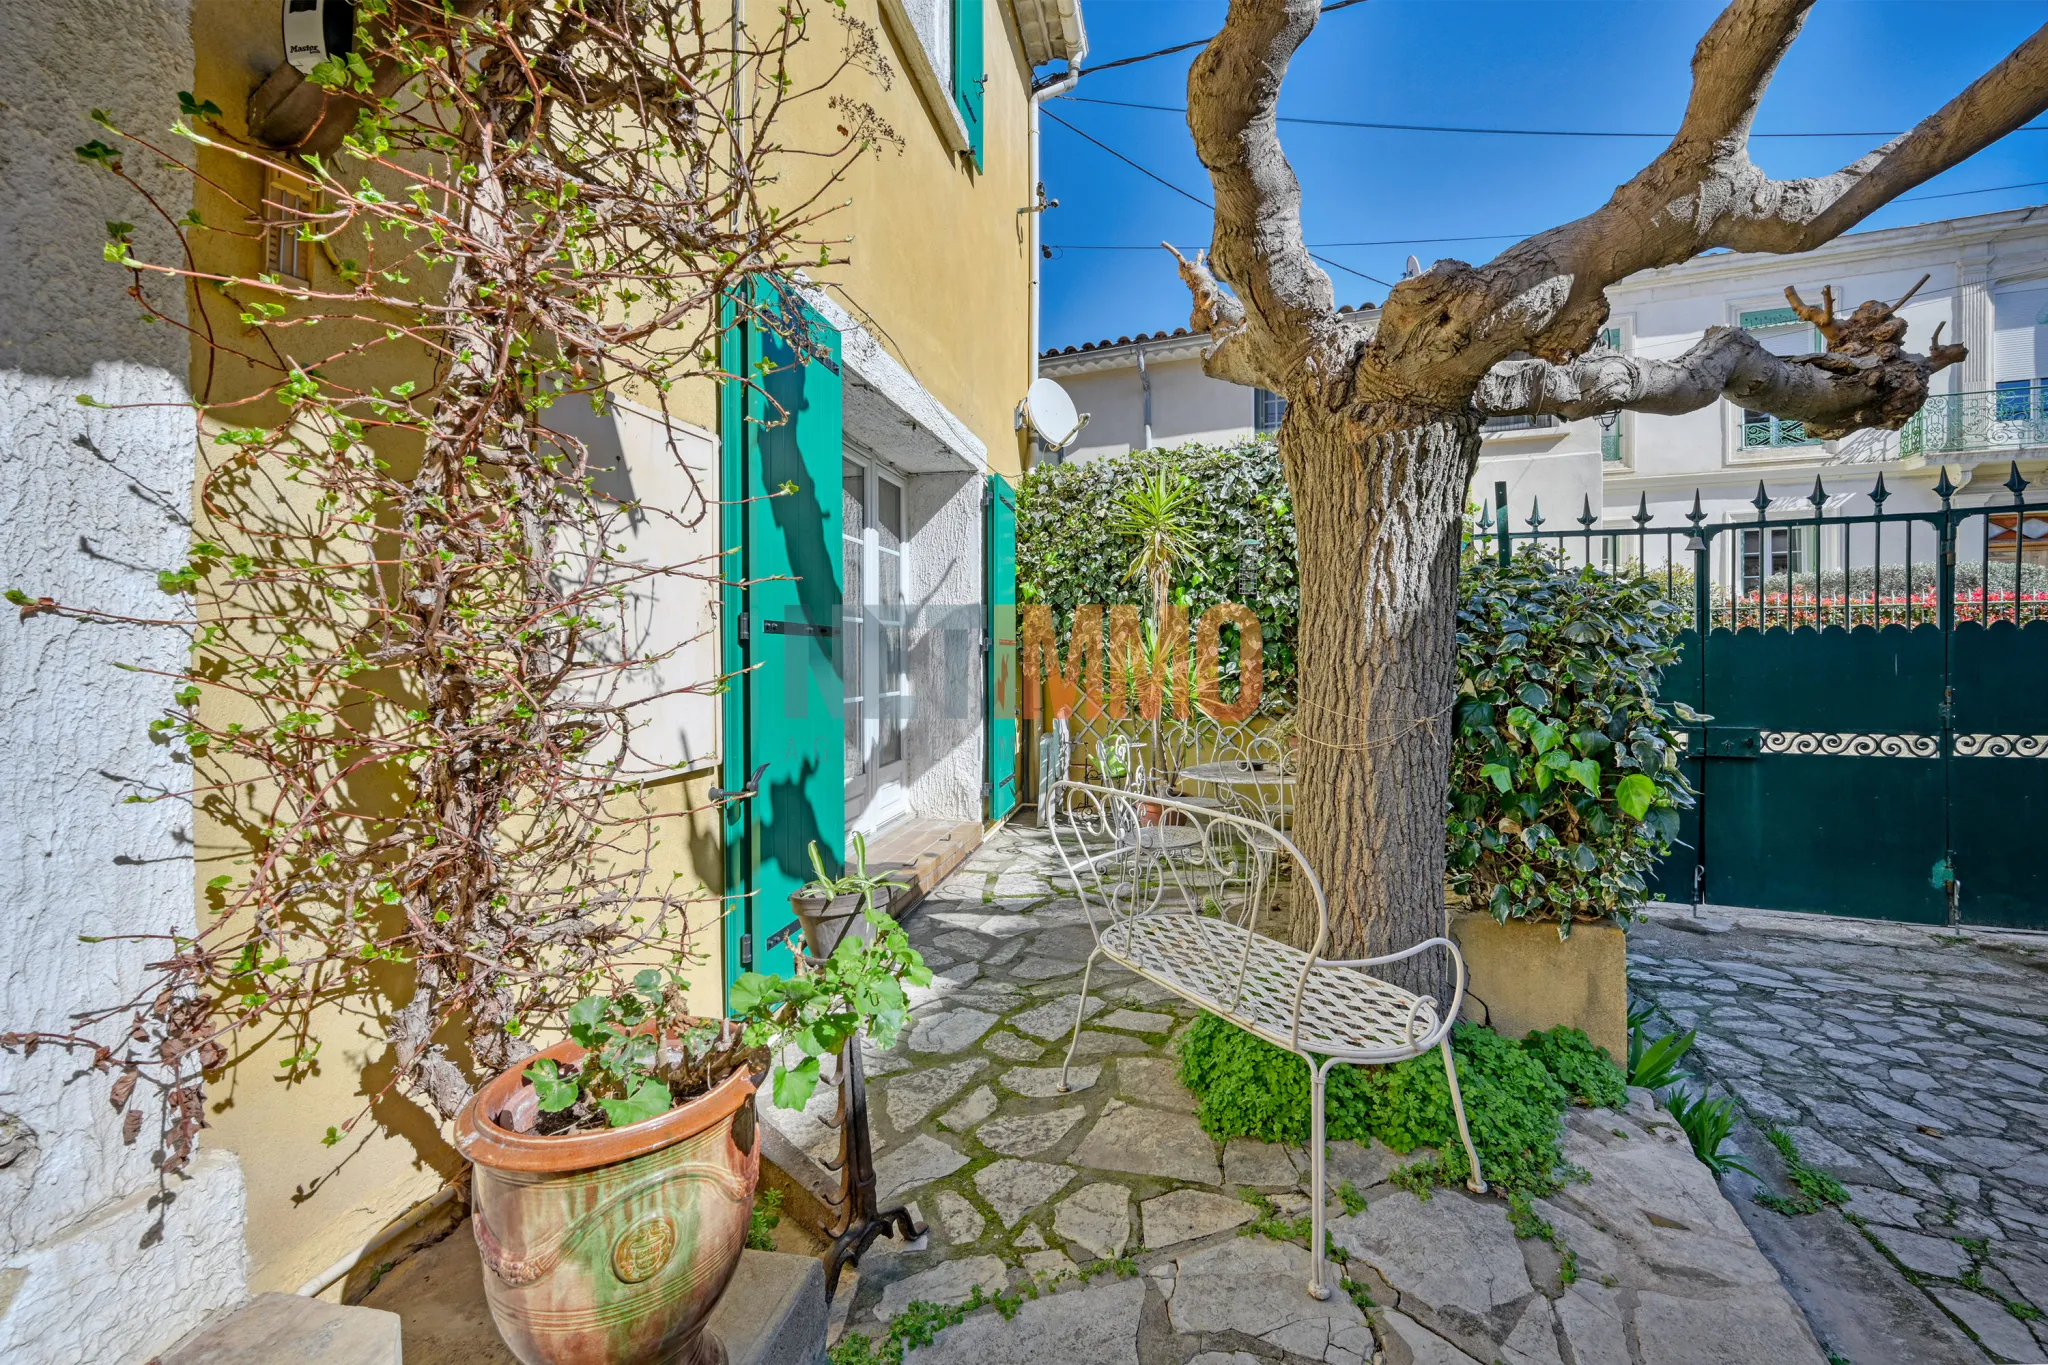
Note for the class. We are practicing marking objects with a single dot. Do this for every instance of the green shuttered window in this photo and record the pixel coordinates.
(970, 71)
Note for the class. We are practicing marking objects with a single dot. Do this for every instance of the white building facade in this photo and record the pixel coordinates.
(1986, 286)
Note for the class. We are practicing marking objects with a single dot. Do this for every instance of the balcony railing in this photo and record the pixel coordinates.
(2003, 420)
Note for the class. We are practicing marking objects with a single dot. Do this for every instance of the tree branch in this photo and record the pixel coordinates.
(1867, 381)
(1546, 295)
(1233, 91)
(1217, 312)
(1813, 211)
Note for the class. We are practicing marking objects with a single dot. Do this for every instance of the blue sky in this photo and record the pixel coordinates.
(1609, 65)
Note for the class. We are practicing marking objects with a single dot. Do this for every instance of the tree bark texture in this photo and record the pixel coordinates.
(1378, 502)
(1381, 434)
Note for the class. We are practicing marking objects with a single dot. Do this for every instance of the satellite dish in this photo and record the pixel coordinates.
(1414, 269)
(1050, 414)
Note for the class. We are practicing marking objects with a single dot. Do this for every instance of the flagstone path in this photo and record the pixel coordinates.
(1913, 1066)
(1112, 1201)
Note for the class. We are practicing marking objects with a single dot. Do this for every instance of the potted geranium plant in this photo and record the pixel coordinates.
(614, 1172)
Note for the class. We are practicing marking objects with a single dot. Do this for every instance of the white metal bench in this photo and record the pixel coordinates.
(1182, 909)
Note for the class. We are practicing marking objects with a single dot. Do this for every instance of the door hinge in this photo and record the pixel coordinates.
(988, 789)
(747, 950)
(988, 492)
(988, 643)
(743, 626)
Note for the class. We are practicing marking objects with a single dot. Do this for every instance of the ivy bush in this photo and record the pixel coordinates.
(1565, 778)
(1513, 1098)
(1240, 529)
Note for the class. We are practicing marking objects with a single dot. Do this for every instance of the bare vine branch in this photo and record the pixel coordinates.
(418, 682)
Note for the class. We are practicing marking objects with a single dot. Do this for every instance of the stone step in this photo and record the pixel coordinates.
(285, 1329)
(773, 1312)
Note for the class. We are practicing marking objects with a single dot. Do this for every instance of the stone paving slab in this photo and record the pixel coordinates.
(1031, 1187)
(1911, 1064)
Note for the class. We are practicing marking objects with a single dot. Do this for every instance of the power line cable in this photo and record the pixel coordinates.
(1154, 175)
(1391, 241)
(1498, 236)
(1199, 42)
(1494, 132)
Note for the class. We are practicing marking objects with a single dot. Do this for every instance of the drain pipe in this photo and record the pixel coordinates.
(1053, 86)
(405, 1222)
(1145, 383)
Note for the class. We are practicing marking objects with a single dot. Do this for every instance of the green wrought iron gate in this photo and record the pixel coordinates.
(1876, 732)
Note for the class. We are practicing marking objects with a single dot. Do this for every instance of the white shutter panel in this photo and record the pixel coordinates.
(2020, 350)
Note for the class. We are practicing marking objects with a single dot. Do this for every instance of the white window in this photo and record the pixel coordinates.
(2020, 363)
(1771, 550)
(287, 202)
(1268, 408)
(877, 671)
(1782, 332)
(1610, 426)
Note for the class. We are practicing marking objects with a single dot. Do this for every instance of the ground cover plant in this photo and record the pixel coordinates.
(1513, 1098)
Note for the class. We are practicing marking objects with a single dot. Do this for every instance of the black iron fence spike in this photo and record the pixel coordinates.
(2013, 480)
(1762, 501)
(1696, 516)
(1943, 488)
(1819, 496)
(1642, 516)
(1878, 494)
(1586, 517)
(1535, 513)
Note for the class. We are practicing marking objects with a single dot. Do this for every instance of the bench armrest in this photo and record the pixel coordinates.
(1458, 976)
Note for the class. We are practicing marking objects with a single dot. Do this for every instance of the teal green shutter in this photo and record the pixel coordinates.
(999, 535)
(970, 71)
(784, 625)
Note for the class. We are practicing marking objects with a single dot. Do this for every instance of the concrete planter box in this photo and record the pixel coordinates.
(1524, 977)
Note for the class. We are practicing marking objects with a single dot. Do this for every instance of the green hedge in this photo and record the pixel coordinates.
(1068, 555)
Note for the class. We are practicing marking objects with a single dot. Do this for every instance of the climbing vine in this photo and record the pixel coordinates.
(418, 684)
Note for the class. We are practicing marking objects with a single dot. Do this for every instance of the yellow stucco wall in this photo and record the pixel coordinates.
(939, 271)
(940, 256)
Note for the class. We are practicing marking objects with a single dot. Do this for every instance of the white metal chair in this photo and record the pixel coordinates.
(1186, 917)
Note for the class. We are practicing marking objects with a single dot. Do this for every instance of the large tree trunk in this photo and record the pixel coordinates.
(1379, 495)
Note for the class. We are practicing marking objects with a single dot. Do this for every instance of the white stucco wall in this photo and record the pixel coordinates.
(97, 1263)
(944, 757)
(1187, 405)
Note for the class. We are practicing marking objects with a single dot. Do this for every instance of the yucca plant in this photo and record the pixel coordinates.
(1653, 1062)
(1159, 513)
(1707, 1124)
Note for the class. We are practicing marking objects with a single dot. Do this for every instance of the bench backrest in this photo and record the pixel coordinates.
(1130, 854)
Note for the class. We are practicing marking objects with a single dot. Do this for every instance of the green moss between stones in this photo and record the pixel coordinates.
(1514, 1094)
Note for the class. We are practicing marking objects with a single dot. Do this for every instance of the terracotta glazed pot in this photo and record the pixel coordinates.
(612, 1247)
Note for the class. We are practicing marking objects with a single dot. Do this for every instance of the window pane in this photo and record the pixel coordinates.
(854, 504)
(851, 762)
(2012, 400)
(889, 513)
(889, 573)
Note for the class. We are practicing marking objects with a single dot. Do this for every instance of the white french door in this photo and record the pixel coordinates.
(877, 684)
